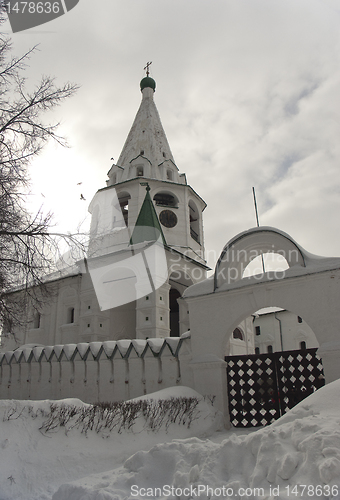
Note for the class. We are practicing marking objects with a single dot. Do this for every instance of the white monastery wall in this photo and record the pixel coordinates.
(109, 371)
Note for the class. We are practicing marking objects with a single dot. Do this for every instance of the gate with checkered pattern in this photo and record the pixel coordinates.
(262, 387)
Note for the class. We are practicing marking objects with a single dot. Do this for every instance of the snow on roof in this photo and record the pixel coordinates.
(110, 349)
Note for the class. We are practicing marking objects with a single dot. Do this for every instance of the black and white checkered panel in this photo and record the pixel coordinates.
(263, 387)
(252, 390)
(300, 373)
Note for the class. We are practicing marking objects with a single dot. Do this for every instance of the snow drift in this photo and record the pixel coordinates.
(298, 456)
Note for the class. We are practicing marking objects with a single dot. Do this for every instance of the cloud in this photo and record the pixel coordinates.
(247, 93)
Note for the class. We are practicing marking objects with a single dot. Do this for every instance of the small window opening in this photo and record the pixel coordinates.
(36, 320)
(89, 307)
(270, 348)
(303, 345)
(70, 315)
(88, 325)
(140, 171)
(164, 155)
(169, 175)
(299, 319)
(146, 318)
(257, 350)
(147, 297)
(161, 318)
(237, 334)
(257, 330)
(142, 150)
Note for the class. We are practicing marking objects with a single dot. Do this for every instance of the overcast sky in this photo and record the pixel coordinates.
(248, 92)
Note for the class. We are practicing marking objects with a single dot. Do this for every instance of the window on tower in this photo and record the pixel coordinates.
(139, 171)
(123, 199)
(165, 200)
(194, 221)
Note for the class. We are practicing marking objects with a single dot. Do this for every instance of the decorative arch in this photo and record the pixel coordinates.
(245, 247)
(238, 333)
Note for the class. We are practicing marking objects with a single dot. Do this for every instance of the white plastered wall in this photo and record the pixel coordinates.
(310, 288)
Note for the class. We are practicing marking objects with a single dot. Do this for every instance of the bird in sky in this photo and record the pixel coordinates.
(82, 197)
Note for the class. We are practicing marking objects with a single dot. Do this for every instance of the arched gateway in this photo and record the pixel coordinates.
(310, 287)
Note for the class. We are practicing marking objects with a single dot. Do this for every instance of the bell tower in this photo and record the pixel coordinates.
(145, 185)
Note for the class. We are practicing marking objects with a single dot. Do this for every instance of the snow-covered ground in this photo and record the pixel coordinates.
(298, 456)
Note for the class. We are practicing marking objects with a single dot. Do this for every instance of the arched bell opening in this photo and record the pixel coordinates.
(124, 199)
(194, 221)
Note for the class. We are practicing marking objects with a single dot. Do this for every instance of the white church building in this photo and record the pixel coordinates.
(146, 198)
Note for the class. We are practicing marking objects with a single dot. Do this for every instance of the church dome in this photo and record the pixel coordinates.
(148, 82)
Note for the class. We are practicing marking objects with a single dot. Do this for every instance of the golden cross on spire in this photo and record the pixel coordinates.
(147, 68)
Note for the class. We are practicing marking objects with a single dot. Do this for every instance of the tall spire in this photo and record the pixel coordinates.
(146, 137)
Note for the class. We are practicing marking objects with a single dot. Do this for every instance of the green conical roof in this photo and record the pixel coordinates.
(147, 226)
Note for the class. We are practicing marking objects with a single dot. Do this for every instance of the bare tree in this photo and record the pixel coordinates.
(25, 240)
